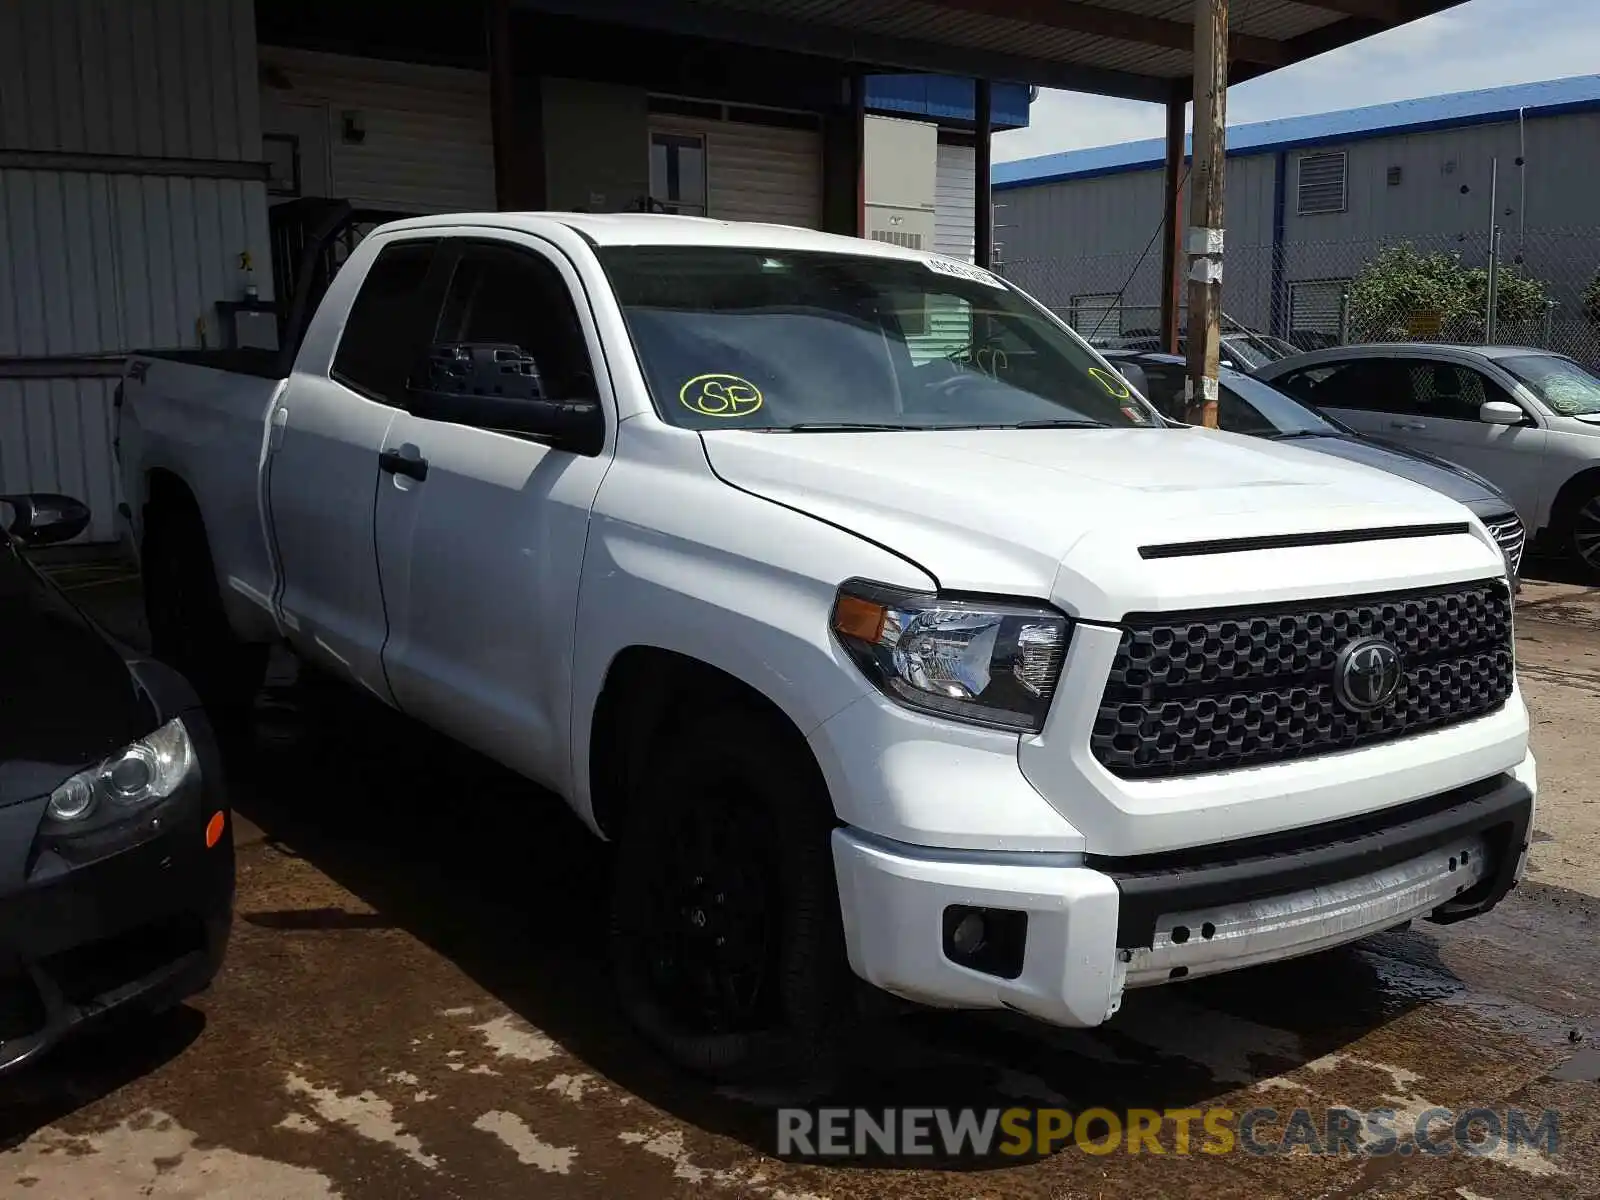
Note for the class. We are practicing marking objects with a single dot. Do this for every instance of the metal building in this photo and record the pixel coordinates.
(1311, 199)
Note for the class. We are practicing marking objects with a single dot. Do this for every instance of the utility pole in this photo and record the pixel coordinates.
(1206, 209)
(1491, 317)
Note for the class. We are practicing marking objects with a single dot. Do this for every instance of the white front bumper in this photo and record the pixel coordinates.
(893, 899)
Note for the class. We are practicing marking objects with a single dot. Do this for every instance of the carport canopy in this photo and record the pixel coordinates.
(1135, 49)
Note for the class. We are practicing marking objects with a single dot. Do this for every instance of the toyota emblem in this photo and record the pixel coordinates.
(1366, 674)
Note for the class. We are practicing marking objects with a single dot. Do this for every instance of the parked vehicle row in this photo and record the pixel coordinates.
(1250, 406)
(1527, 420)
(966, 675)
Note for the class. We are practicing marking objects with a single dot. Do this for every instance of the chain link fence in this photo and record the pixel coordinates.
(1425, 288)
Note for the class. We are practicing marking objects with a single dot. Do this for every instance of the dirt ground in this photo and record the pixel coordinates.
(415, 1005)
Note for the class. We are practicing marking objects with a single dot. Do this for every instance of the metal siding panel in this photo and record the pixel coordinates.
(160, 280)
(13, 81)
(188, 301)
(954, 206)
(42, 133)
(131, 239)
(92, 73)
(245, 77)
(170, 81)
(123, 137)
(145, 94)
(189, 24)
(61, 62)
(10, 283)
(428, 145)
(55, 436)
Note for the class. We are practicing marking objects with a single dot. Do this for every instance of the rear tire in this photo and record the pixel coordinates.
(727, 948)
(189, 628)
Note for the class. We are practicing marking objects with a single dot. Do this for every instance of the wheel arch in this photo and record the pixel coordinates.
(649, 694)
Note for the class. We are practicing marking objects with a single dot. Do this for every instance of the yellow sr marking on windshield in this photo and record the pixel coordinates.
(719, 395)
(1111, 383)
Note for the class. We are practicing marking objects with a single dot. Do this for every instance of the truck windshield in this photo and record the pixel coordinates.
(735, 338)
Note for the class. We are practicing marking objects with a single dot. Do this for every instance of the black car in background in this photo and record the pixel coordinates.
(1249, 406)
(116, 860)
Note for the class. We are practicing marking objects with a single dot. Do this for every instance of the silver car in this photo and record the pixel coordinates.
(1525, 419)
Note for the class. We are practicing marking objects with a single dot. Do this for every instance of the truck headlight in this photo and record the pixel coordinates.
(985, 661)
(136, 776)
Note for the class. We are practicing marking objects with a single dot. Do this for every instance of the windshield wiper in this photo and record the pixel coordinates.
(1060, 424)
(1287, 435)
(844, 427)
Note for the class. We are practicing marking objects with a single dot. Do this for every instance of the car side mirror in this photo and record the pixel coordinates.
(498, 386)
(45, 518)
(1501, 412)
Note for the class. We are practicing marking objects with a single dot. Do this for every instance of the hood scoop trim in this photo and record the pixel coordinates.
(1288, 541)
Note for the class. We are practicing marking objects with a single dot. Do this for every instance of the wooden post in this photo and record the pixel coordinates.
(1172, 213)
(983, 176)
(1204, 237)
(516, 116)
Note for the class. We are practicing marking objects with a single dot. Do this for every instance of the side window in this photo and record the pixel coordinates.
(1363, 384)
(1166, 389)
(383, 335)
(516, 301)
(1452, 392)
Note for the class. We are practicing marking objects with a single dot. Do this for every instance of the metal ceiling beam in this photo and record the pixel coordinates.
(1391, 12)
(1122, 26)
(855, 46)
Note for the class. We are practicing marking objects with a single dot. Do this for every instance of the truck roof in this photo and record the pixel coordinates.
(662, 229)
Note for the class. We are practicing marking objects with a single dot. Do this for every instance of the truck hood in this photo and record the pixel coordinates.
(1061, 514)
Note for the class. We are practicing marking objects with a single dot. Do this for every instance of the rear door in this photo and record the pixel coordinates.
(324, 439)
(1371, 395)
(481, 550)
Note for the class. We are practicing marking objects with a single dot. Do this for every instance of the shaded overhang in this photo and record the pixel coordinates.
(1135, 49)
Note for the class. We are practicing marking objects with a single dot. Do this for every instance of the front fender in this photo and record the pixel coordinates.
(678, 560)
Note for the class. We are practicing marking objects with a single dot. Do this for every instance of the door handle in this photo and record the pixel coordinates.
(1408, 426)
(396, 463)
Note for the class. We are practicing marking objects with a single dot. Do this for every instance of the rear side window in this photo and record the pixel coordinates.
(383, 335)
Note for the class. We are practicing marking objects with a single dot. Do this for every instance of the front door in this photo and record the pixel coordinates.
(325, 437)
(481, 549)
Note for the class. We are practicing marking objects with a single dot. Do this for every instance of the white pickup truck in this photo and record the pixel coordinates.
(883, 626)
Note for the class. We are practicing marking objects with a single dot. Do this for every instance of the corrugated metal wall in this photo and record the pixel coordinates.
(953, 216)
(102, 258)
(428, 139)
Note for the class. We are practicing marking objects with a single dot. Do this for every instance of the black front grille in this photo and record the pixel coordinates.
(1194, 692)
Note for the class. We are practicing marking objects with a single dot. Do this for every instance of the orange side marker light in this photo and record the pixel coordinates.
(214, 829)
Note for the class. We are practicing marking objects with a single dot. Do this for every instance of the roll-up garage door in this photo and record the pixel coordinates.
(755, 172)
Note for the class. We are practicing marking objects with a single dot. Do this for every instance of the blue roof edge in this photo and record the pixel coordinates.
(1550, 98)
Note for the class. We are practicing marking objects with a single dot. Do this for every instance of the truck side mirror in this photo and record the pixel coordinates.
(45, 518)
(498, 386)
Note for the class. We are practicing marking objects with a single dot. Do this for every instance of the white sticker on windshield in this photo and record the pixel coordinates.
(961, 270)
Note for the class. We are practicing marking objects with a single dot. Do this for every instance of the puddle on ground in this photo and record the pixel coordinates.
(1582, 1067)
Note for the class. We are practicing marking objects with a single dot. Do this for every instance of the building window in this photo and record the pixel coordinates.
(1316, 311)
(678, 173)
(1323, 183)
(282, 152)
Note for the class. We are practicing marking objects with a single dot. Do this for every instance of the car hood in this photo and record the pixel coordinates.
(1460, 484)
(1010, 511)
(69, 695)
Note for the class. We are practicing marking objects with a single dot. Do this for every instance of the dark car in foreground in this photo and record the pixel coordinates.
(1250, 406)
(116, 860)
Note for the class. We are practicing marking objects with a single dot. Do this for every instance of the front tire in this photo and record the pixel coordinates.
(726, 944)
(189, 628)
(1583, 533)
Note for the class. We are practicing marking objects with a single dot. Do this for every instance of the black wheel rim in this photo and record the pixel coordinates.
(708, 924)
(1586, 533)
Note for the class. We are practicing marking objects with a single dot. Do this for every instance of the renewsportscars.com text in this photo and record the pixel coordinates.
(1034, 1132)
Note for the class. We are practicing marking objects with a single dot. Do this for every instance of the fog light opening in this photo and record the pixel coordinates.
(989, 940)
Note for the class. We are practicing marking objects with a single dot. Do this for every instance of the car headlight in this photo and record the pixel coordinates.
(136, 776)
(989, 662)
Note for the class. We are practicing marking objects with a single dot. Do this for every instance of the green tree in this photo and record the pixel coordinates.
(1403, 290)
(1591, 300)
